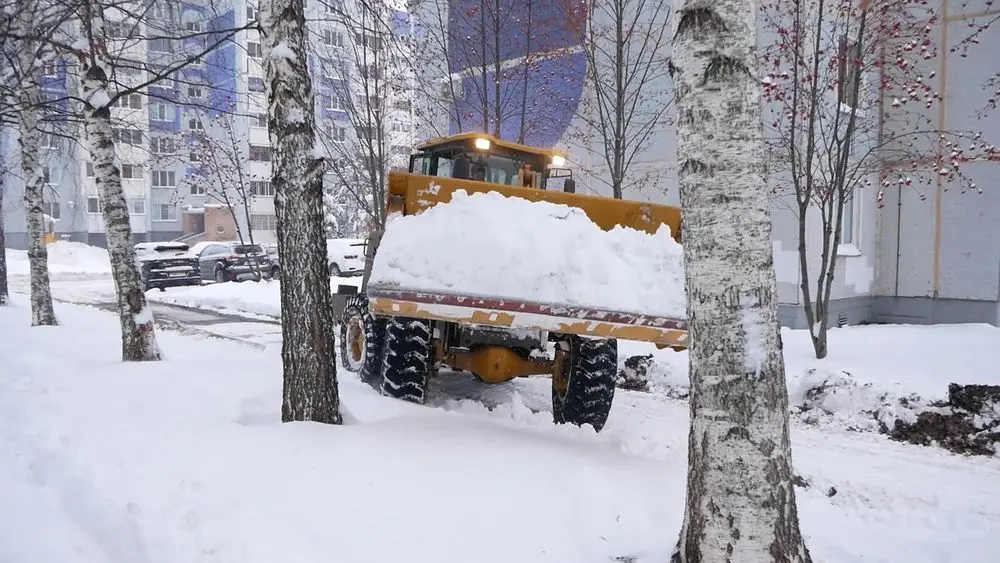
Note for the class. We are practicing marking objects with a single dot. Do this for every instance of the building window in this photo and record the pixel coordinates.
(195, 124)
(255, 50)
(119, 30)
(263, 222)
(47, 175)
(848, 73)
(90, 170)
(162, 10)
(195, 92)
(161, 45)
(847, 234)
(162, 112)
(335, 102)
(131, 171)
(338, 134)
(403, 105)
(94, 205)
(333, 6)
(131, 101)
(161, 145)
(193, 27)
(258, 120)
(137, 206)
(50, 141)
(255, 84)
(194, 157)
(164, 179)
(333, 38)
(127, 136)
(260, 153)
(261, 188)
(51, 208)
(164, 212)
(197, 189)
(253, 14)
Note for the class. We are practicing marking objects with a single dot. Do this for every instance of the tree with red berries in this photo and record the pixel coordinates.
(850, 88)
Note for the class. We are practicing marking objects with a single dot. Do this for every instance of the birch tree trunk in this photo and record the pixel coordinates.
(307, 351)
(4, 294)
(740, 499)
(42, 313)
(138, 333)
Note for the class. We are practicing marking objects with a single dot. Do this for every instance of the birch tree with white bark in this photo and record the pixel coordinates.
(136, 317)
(740, 503)
(4, 292)
(310, 390)
(31, 56)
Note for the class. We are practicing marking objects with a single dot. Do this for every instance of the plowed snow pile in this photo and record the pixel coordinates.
(486, 244)
(65, 257)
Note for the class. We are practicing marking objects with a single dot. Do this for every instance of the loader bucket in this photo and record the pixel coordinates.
(414, 194)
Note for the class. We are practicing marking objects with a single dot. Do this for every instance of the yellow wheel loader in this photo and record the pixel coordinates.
(397, 338)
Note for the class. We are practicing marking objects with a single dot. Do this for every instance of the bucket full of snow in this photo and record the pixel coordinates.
(504, 261)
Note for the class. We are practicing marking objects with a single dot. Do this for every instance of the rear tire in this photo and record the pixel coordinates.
(590, 371)
(362, 337)
(406, 359)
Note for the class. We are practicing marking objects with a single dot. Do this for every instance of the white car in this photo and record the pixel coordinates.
(346, 256)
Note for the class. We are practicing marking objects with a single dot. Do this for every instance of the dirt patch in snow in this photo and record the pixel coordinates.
(644, 373)
(969, 423)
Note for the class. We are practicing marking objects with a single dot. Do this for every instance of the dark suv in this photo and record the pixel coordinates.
(232, 261)
(166, 264)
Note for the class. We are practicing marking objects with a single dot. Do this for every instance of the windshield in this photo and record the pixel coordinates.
(496, 169)
(248, 249)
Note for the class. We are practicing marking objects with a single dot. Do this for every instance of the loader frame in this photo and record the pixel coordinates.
(487, 336)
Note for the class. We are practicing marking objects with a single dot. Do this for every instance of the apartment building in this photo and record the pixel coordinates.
(922, 255)
(194, 147)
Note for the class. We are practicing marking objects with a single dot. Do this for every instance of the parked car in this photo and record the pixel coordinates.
(232, 261)
(272, 255)
(346, 256)
(167, 264)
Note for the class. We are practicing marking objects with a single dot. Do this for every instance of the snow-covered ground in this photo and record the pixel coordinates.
(64, 258)
(874, 373)
(244, 298)
(186, 460)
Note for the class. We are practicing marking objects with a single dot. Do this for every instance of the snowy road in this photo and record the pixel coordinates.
(98, 291)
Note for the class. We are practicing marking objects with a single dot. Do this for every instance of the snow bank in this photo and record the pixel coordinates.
(238, 298)
(182, 459)
(490, 245)
(874, 375)
(65, 257)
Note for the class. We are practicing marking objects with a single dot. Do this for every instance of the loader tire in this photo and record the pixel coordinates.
(585, 392)
(406, 359)
(362, 337)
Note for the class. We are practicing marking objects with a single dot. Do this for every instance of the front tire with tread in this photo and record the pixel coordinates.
(590, 371)
(369, 366)
(406, 359)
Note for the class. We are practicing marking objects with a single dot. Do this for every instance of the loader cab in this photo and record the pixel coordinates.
(473, 156)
